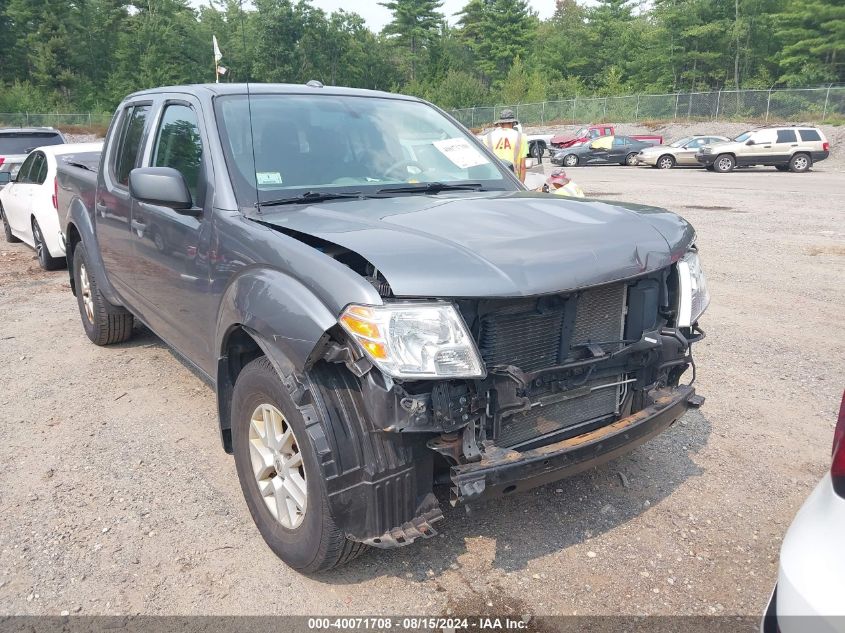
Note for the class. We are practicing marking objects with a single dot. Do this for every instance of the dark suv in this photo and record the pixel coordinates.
(380, 305)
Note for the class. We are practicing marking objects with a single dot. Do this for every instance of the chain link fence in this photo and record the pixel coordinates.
(57, 120)
(776, 105)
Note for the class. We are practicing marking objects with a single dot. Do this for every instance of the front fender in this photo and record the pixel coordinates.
(283, 312)
(79, 222)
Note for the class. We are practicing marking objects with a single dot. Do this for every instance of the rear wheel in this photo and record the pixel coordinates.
(724, 163)
(799, 163)
(570, 160)
(45, 260)
(631, 159)
(280, 474)
(7, 230)
(104, 323)
(667, 161)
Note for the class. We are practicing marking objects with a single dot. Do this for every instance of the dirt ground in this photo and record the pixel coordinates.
(116, 498)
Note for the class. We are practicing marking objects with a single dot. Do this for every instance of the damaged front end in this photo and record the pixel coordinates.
(564, 382)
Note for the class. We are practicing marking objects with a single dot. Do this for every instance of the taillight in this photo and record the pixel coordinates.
(56, 194)
(2, 160)
(825, 147)
(837, 470)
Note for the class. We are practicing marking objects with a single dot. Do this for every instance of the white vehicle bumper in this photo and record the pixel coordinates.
(810, 595)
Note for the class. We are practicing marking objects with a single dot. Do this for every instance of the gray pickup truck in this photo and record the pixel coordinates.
(379, 305)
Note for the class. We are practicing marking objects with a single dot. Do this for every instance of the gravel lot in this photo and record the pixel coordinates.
(116, 498)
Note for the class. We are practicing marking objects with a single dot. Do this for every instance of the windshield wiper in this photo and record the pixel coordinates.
(432, 187)
(309, 196)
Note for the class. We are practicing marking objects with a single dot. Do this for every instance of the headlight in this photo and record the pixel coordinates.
(414, 340)
(694, 297)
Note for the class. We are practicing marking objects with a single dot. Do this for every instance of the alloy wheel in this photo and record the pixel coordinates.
(665, 163)
(39, 243)
(85, 289)
(725, 164)
(277, 465)
(571, 160)
(800, 163)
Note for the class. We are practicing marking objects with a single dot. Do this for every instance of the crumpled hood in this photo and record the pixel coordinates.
(494, 244)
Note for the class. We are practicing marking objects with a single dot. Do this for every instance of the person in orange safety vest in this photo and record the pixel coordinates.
(508, 143)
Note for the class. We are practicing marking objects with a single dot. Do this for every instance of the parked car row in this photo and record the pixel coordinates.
(17, 143)
(787, 148)
(29, 203)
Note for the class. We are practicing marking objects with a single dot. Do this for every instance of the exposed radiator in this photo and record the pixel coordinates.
(528, 334)
(541, 421)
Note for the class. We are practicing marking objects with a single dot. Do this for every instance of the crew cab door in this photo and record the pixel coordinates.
(113, 205)
(170, 277)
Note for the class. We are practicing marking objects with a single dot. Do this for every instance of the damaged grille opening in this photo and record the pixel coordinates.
(535, 334)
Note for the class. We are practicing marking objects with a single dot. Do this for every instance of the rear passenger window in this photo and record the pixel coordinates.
(179, 145)
(810, 135)
(786, 136)
(39, 170)
(127, 154)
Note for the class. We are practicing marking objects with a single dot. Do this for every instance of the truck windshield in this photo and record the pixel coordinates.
(336, 143)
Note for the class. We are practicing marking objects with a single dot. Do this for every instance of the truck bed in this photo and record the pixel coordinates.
(76, 178)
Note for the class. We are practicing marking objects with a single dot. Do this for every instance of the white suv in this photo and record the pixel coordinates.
(792, 148)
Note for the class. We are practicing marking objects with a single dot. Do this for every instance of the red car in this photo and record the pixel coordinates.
(595, 131)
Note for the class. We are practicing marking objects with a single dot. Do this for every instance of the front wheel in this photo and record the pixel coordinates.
(570, 160)
(45, 260)
(103, 322)
(724, 163)
(280, 474)
(537, 151)
(666, 161)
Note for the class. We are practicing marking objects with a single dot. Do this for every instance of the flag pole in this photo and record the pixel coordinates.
(214, 59)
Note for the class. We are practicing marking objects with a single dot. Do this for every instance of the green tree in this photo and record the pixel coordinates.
(812, 33)
(415, 23)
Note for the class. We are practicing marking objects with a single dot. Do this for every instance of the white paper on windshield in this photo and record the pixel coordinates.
(268, 178)
(460, 152)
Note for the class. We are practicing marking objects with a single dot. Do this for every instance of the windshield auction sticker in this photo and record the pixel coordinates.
(460, 152)
(268, 178)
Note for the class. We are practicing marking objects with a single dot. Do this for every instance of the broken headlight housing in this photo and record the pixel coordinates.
(414, 340)
(693, 296)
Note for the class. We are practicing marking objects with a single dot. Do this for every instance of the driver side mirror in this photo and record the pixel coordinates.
(749, 142)
(163, 186)
(5, 177)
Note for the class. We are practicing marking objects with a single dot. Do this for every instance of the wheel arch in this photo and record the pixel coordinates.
(265, 312)
(80, 229)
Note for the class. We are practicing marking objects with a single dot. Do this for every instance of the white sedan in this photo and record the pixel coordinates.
(29, 205)
(810, 592)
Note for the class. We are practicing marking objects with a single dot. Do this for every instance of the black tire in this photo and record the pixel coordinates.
(45, 260)
(107, 323)
(800, 163)
(630, 159)
(317, 544)
(537, 150)
(570, 160)
(7, 230)
(724, 163)
(667, 161)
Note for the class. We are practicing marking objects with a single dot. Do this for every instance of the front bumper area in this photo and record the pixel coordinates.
(504, 471)
(706, 159)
